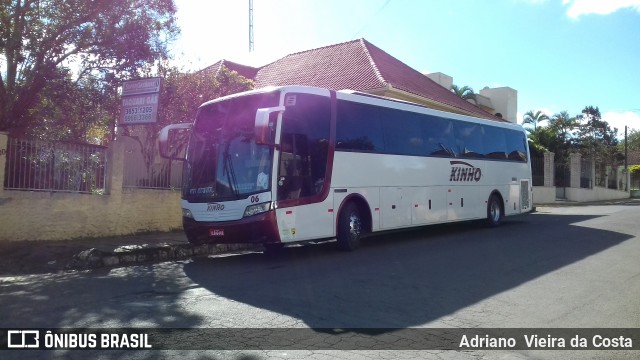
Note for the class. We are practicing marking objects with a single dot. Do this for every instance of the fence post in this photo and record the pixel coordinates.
(4, 142)
(593, 172)
(575, 159)
(115, 168)
(549, 169)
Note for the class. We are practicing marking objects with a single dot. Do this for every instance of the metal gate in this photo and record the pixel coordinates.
(562, 179)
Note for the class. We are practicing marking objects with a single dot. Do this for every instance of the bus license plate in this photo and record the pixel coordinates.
(216, 232)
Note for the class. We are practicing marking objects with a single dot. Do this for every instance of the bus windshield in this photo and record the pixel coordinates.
(223, 160)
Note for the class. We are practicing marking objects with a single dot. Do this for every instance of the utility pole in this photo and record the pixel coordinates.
(250, 25)
(626, 162)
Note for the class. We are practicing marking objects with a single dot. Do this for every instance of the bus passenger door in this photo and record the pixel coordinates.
(303, 206)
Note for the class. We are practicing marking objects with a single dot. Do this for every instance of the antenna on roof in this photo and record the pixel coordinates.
(250, 25)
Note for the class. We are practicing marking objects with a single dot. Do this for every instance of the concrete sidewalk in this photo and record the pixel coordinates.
(39, 257)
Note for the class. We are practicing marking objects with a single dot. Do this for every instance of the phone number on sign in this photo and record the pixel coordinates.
(138, 110)
(138, 117)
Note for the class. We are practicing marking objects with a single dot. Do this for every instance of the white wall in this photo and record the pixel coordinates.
(544, 194)
(595, 194)
(504, 100)
(444, 80)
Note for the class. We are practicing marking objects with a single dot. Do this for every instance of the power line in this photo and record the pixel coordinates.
(369, 20)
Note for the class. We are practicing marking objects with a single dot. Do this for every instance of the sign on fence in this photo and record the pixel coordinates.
(140, 101)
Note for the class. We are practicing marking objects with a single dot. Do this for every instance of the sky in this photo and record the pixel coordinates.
(558, 54)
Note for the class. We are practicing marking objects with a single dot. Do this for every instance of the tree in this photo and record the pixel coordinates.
(597, 140)
(595, 137)
(48, 41)
(465, 92)
(562, 125)
(74, 111)
(633, 141)
(534, 118)
(543, 139)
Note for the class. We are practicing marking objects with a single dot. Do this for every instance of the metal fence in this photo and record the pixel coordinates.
(37, 165)
(162, 174)
(537, 170)
(586, 176)
(607, 175)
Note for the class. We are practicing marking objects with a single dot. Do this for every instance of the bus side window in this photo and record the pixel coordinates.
(359, 128)
(402, 133)
(517, 146)
(439, 136)
(495, 145)
(469, 143)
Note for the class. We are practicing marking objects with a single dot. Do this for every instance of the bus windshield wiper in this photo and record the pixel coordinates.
(229, 170)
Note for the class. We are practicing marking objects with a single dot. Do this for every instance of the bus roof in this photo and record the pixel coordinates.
(358, 96)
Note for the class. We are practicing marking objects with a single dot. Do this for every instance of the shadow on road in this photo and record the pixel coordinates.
(125, 297)
(406, 279)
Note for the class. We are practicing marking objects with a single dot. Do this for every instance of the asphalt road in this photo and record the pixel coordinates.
(563, 267)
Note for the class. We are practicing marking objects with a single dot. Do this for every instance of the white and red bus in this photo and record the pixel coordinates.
(289, 164)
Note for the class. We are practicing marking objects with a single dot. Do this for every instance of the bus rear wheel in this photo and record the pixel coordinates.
(349, 227)
(494, 211)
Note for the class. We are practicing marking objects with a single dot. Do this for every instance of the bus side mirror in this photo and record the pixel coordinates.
(165, 145)
(262, 129)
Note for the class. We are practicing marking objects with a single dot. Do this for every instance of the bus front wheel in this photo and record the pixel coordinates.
(349, 227)
(494, 211)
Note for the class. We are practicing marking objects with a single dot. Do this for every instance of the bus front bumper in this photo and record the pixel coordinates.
(261, 228)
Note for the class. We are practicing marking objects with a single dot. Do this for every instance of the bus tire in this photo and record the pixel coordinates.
(494, 211)
(349, 227)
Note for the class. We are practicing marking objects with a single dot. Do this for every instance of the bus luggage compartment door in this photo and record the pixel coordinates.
(395, 208)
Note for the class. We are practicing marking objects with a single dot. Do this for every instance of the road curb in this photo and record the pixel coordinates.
(138, 254)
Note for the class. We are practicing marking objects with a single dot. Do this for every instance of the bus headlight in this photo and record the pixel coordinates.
(257, 209)
(187, 213)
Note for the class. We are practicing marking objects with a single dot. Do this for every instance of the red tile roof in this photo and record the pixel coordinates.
(358, 65)
(242, 70)
(340, 66)
(355, 65)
